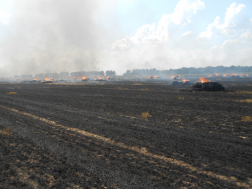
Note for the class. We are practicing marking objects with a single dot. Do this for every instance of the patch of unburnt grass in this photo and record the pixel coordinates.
(146, 115)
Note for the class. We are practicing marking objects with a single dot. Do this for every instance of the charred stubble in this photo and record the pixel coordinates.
(95, 136)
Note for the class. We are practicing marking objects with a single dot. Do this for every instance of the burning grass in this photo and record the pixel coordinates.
(203, 80)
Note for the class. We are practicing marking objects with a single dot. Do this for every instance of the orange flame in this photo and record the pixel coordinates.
(107, 77)
(99, 78)
(245, 75)
(224, 75)
(47, 79)
(149, 77)
(185, 80)
(156, 76)
(136, 75)
(233, 74)
(217, 74)
(177, 77)
(203, 80)
(210, 75)
(84, 78)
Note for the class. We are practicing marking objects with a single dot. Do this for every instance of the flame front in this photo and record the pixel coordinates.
(84, 78)
(156, 76)
(175, 77)
(224, 75)
(245, 75)
(233, 74)
(47, 79)
(203, 80)
(185, 80)
(217, 74)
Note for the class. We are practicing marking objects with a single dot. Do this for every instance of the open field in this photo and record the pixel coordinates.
(125, 135)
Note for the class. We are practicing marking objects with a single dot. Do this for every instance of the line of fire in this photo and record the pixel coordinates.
(206, 82)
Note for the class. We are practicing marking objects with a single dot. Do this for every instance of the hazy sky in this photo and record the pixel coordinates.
(41, 36)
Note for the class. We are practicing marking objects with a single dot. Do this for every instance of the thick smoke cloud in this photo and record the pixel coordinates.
(55, 36)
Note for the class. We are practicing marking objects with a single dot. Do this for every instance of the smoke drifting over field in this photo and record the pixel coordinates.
(42, 36)
(55, 36)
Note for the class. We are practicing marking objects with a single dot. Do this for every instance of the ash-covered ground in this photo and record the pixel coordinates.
(125, 135)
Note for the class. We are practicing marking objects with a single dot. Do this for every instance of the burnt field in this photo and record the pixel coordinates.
(125, 135)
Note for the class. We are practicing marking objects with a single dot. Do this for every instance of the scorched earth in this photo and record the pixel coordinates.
(125, 135)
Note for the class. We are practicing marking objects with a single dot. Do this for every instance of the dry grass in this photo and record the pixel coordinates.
(176, 120)
(181, 98)
(6, 131)
(246, 118)
(243, 92)
(12, 93)
(122, 88)
(146, 115)
(247, 100)
(138, 84)
(144, 89)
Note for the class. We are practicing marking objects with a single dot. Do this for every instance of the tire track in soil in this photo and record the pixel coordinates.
(142, 151)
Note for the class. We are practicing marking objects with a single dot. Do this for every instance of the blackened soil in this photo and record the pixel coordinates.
(94, 136)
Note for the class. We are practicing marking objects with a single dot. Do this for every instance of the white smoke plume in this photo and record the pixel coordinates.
(54, 36)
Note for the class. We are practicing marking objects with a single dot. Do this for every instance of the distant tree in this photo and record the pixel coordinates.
(110, 73)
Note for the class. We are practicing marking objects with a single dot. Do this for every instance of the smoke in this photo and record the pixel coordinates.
(54, 36)
(85, 35)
